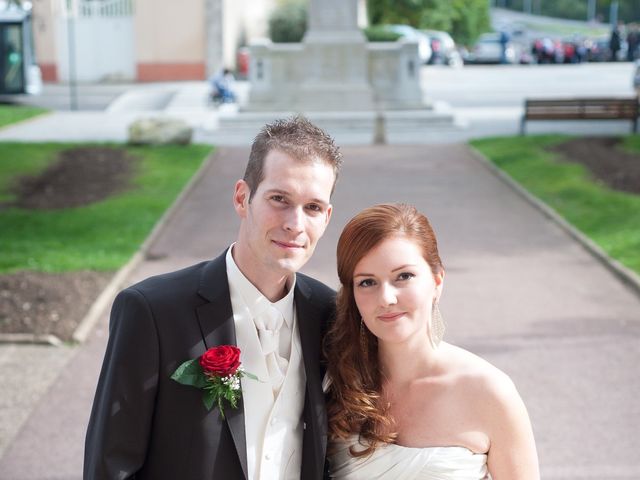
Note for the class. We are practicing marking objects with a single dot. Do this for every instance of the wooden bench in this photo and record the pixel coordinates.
(581, 109)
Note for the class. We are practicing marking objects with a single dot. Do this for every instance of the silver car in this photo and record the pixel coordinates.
(488, 49)
(410, 33)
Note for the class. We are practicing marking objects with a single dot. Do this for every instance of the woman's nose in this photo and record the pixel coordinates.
(388, 295)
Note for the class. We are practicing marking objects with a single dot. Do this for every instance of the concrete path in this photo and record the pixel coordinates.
(518, 291)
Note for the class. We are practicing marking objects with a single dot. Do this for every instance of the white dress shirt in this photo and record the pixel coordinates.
(273, 425)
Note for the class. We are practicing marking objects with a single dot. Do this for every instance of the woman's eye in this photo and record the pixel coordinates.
(367, 282)
(406, 276)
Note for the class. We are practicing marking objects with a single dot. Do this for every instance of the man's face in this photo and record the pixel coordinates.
(286, 217)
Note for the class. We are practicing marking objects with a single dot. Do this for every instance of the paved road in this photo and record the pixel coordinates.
(487, 100)
(518, 291)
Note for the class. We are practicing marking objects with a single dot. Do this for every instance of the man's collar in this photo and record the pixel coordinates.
(252, 297)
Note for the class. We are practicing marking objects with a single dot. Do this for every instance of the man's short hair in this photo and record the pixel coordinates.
(297, 137)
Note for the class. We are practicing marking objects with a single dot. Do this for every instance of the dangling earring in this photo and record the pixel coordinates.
(436, 328)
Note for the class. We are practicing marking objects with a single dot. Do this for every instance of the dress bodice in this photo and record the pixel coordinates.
(392, 462)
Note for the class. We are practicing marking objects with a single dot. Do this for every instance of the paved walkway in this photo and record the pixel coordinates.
(518, 291)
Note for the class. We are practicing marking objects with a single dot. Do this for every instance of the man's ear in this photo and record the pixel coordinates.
(328, 216)
(241, 195)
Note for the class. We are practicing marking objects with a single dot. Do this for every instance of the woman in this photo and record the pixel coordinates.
(402, 403)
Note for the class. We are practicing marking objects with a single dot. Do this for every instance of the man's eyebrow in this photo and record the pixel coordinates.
(287, 194)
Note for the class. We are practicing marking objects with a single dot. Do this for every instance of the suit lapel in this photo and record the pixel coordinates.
(310, 330)
(218, 328)
(315, 416)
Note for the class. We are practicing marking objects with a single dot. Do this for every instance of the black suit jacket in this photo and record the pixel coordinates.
(144, 425)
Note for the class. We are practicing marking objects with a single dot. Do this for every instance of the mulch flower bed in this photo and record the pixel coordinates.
(45, 303)
(55, 303)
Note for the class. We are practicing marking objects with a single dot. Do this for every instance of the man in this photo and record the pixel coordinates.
(221, 86)
(145, 425)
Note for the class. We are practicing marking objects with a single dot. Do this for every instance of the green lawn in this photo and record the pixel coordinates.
(100, 236)
(567, 29)
(608, 217)
(11, 114)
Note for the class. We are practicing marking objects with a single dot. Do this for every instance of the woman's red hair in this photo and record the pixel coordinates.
(355, 403)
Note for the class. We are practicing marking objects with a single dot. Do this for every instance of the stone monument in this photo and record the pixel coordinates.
(339, 80)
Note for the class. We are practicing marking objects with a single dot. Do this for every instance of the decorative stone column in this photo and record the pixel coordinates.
(335, 60)
(214, 39)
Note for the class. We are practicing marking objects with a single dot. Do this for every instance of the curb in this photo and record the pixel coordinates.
(626, 275)
(25, 121)
(31, 338)
(105, 298)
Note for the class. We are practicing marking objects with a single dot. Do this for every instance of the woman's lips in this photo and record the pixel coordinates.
(390, 317)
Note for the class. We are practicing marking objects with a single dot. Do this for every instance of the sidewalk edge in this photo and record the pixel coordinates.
(107, 295)
(626, 275)
(25, 122)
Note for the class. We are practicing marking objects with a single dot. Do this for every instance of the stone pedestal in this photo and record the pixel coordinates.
(358, 91)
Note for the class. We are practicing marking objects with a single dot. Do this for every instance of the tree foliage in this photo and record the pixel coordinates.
(465, 20)
(628, 10)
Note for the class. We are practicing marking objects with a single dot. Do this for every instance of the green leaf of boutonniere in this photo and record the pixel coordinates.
(190, 373)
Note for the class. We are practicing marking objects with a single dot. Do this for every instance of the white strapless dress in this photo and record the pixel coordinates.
(395, 462)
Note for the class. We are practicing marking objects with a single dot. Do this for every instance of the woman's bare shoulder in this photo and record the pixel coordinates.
(478, 376)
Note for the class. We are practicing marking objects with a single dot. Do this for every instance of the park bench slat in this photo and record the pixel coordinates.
(581, 109)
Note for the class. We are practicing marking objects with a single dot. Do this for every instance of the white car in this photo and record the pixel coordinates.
(488, 49)
(410, 33)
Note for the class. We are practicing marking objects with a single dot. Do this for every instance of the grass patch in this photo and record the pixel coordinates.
(609, 218)
(101, 236)
(16, 113)
(567, 29)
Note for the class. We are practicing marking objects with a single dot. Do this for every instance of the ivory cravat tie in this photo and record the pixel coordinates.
(268, 324)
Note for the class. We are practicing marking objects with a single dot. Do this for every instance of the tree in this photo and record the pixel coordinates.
(464, 19)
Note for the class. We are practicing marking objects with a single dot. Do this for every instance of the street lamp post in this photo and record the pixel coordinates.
(71, 46)
(591, 10)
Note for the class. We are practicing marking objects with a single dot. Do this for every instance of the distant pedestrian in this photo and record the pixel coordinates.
(504, 41)
(221, 86)
(614, 43)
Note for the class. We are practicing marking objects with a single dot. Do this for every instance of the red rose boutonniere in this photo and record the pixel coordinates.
(218, 372)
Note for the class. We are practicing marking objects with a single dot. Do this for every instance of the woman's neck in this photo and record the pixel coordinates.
(403, 363)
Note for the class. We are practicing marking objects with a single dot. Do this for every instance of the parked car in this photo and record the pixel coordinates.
(598, 50)
(443, 49)
(410, 33)
(488, 49)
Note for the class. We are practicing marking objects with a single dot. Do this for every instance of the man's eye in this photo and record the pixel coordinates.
(277, 198)
(367, 282)
(314, 207)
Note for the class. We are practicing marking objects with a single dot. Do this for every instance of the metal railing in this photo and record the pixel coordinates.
(96, 8)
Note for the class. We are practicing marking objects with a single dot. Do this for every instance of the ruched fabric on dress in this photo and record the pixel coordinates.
(392, 462)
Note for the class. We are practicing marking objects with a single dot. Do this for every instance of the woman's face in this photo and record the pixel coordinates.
(394, 290)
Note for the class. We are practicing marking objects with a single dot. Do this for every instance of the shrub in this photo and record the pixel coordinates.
(379, 33)
(288, 21)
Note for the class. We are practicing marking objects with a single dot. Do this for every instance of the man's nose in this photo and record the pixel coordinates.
(294, 220)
